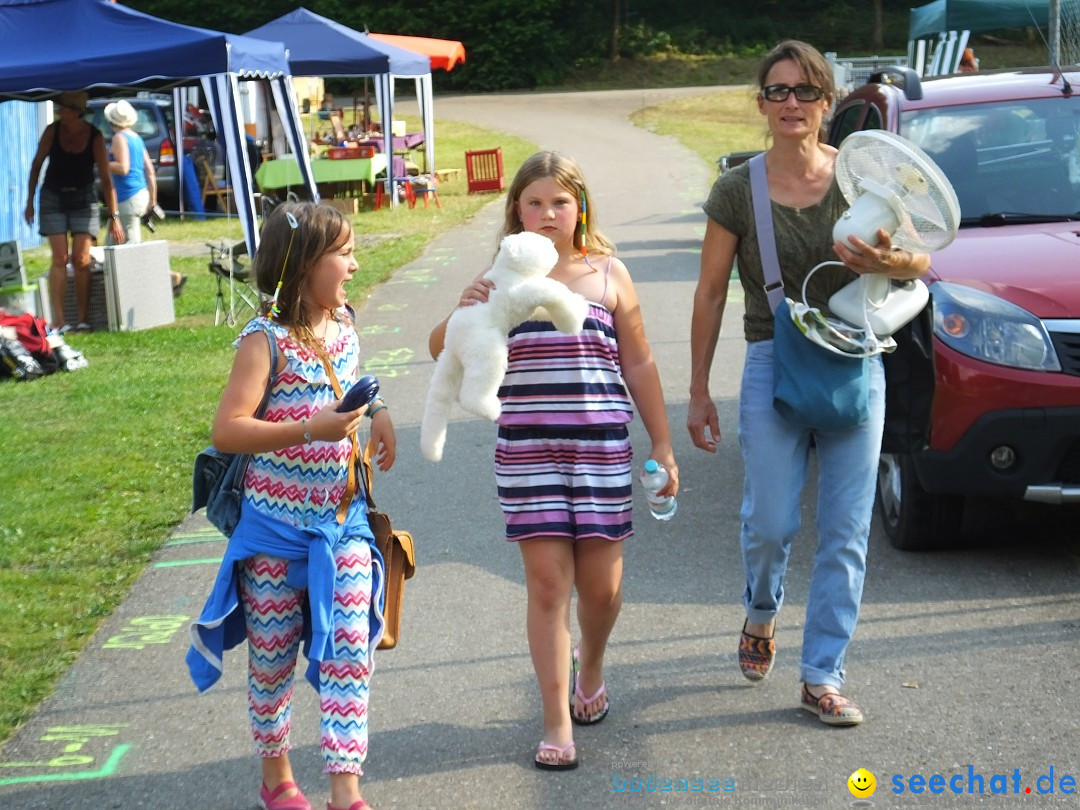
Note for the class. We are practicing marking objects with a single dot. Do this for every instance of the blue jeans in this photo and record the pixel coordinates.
(776, 455)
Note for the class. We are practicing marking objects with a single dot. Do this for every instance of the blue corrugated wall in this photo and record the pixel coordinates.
(19, 130)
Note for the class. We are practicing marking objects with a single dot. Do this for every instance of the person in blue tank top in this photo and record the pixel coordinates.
(133, 175)
(132, 170)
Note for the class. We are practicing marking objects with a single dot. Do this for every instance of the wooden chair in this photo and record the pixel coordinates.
(484, 170)
(430, 190)
(212, 188)
(405, 184)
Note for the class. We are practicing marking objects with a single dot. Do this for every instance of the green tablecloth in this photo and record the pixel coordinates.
(284, 172)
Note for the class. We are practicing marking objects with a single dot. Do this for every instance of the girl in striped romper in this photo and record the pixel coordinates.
(302, 562)
(563, 460)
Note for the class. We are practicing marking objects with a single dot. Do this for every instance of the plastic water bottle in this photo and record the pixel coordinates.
(654, 479)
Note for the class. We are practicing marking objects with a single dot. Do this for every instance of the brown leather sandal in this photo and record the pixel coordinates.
(832, 708)
(756, 654)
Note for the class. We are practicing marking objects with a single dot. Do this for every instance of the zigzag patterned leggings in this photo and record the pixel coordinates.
(274, 623)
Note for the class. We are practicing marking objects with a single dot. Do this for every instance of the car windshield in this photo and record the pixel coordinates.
(1008, 161)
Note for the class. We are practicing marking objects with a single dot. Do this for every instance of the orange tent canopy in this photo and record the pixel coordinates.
(444, 53)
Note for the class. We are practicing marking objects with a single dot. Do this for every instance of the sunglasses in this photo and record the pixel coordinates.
(803, 92)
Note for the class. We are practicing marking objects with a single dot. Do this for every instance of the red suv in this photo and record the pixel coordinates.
(1004, 391)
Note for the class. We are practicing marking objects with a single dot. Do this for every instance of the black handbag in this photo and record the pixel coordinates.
(218, 478)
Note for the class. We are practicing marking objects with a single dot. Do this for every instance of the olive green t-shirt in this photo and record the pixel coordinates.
(803, 239)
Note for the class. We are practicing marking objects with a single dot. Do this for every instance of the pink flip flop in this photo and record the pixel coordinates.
(556, 758)
(578, 700)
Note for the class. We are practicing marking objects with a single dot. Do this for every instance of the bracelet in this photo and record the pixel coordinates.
(382, 406)
(114, 215)
(307, 433)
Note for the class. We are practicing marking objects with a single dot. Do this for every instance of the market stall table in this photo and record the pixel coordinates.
(284, 172)
(403, 146)
(402, 143)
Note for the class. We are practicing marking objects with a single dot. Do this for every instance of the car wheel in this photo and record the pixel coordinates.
(914, 519)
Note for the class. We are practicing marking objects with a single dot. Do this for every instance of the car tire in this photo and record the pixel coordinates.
(914, 519)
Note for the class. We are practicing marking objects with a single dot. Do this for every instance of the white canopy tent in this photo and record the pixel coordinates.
(322, 47)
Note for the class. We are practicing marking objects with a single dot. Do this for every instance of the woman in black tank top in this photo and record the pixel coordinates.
(69, 204)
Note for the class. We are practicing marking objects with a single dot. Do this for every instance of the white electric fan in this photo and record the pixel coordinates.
(893, 184)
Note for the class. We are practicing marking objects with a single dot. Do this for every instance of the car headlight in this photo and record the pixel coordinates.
(989, 328)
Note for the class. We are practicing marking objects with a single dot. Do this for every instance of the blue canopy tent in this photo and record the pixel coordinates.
(322, 47)
(56, 45)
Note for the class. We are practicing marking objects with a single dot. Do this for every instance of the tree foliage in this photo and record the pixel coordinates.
(515, 46)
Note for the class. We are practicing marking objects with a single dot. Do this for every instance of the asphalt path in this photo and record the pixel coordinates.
(965, 662)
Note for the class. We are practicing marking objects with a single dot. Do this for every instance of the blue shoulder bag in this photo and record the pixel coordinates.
(812, 386)
(218, 479)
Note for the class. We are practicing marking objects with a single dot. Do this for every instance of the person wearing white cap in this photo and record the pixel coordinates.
(134, 177)
(133, 172)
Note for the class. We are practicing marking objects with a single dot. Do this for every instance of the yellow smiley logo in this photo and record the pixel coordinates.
(862, 784)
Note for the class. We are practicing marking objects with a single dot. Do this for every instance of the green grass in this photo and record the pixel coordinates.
(97, 464)
(662, 70)
(711, 124)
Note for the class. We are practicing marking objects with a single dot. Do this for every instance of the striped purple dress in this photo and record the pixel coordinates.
(563, 460)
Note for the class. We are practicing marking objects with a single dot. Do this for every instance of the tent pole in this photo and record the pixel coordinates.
(1055, 32)
(367, 108)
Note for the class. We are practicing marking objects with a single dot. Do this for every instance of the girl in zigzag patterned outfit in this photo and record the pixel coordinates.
(303, 545)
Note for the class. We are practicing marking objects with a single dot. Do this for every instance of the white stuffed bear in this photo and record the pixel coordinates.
(472, 364)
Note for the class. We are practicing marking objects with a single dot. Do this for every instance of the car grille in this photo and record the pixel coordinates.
(1067, 346)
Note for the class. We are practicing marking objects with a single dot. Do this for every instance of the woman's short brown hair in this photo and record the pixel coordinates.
(810, 61)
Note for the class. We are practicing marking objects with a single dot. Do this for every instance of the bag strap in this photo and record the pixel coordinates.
(367, 475)
(350, 486)
(273, 373)
(241, 468)
(763, 221)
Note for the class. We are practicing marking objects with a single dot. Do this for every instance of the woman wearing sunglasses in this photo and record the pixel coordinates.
(796, 93)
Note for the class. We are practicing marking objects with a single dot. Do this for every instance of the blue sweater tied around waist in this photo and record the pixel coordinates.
(309, 551)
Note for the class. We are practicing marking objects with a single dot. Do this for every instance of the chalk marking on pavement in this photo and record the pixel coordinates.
(390, 362)
(178, 563)
(108, 769)
(379, 329)
(190, 541)
(144, 630)
(74, 738)
(418, 275)
(204, 532)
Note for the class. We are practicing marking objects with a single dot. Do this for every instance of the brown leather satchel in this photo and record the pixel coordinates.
(396, 547)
